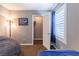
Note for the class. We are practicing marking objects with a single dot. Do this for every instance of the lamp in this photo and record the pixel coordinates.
(9, 28)
(9, 24)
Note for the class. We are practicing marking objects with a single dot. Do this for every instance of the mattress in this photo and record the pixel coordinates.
(58, 53)
(9, 47)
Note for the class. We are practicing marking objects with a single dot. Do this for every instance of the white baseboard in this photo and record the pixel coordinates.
(38, 39)
(26, 44)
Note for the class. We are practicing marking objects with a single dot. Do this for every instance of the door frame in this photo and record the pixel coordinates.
(33, 28)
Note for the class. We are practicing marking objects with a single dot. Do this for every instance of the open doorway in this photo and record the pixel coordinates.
(37, 29)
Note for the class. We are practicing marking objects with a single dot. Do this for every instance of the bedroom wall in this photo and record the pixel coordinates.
(73, 26)
(23, 34)
(4, 14)
(2, 27)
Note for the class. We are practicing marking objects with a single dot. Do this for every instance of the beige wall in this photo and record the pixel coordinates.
(4, 14)
(73, 26)
(2, 26)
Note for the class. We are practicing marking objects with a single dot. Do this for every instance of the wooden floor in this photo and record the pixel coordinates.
(32, 50)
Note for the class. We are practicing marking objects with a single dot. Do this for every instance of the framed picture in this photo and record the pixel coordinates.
(23, 21)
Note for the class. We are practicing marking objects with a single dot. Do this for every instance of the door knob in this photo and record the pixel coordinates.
(48, 33)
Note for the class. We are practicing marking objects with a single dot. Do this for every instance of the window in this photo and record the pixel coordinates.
(59, 22)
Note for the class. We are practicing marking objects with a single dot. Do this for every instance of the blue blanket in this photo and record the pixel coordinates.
(58, 53)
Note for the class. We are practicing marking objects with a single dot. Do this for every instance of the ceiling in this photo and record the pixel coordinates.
(28, 6)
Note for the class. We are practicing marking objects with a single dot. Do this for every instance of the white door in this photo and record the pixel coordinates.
(46, 30)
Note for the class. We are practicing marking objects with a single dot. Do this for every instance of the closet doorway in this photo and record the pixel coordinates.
(37, 29)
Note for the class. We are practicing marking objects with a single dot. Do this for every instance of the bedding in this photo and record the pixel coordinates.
(58, 53)
(9, 47)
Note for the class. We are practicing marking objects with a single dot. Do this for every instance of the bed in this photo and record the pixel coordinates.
(9, 47)
(58, 53)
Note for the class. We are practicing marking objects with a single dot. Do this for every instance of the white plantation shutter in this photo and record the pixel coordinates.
(59, 22)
